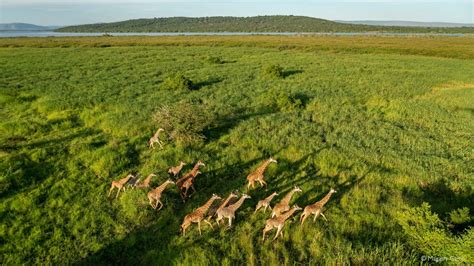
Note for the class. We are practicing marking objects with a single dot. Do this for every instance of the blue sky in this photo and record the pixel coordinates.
(70, 12)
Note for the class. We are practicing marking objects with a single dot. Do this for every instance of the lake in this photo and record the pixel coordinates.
(4, 34)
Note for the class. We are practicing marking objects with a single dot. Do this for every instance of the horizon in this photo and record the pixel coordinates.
(54, 13)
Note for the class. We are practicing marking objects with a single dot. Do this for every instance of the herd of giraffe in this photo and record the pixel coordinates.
(227, 208)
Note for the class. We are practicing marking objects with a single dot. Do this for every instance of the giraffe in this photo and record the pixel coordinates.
(265, 203)
(120, 184)
(213, 209)
(229, 212)
(155, 194)
(188, 183)
(191, 173)
(257, 175)
(198, 215)
(156, 139)
(316, 208)
(176, 169)
(284, 204)
(279, 222)
(146, 183)
(133, 181)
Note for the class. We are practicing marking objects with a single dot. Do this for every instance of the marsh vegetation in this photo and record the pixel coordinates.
(387, 122)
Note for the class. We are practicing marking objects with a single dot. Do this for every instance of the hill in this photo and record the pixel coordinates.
(247, 24)
(24, 26)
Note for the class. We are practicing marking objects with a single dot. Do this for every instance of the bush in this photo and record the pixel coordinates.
(184, 122)
(177, 82)
(272, 71)
(281, 101)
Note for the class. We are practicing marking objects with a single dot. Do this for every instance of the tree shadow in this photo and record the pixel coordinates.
(291, 72)
(442, 199)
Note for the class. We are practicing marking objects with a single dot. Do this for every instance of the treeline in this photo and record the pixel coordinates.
(248, 24)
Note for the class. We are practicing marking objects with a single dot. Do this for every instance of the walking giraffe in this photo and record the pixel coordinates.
(229, 212)
(284, 204)
(265, 203)
(279, 222)
(198, 215)
(155, 194)
(316, 208)
(174, 171)
(257, 175)
(188, 183)
(156, 139)
(213, 209)
(191, 173)
(119, 184)
(146, 182)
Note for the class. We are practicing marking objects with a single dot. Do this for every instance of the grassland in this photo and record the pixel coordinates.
(387, 122)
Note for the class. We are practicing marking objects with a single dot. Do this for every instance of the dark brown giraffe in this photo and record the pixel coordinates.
(188, 183)
(316, 208)
(257, 175)
(191, 173)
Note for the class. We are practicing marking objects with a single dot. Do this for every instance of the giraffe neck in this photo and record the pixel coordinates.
(287, 215)
(223, 204)
(237, 205)
(269, 198)
(195, 169)
(125, 180)
(288, 196)
(203, 209)
(157, 133)
(263, 167)
(161, 187)
(149, 177)
(325, 199)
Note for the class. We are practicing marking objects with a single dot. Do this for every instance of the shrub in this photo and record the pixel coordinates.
(281, 101)
(184, 122)
(272, 71)
(460, 216)
(177, 82)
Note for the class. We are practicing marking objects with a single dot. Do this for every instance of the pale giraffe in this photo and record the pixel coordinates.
(279, 222)
(156, 139)
(257, 175)
(284, 204)
(191, 173)
(146, 182)
(213, 209)
(155, 194)
(198, 215)
(188, 183)
(316, 208)
(265, 203)
(174, 171)
(119, 184)
(229, 212)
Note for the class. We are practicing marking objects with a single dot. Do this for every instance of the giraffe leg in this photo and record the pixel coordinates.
(161, 144)
(258, 207)
(316, 216)
(277, 233)
(116, 196)
(219, 218)
(199, 227)
(194, 189)
(161, 204)
(230, 221)
(209, 223)
(265, 230)
(110, 191)
(322, 214)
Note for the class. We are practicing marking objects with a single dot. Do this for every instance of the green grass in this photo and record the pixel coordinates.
(384, 121)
